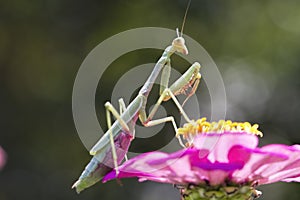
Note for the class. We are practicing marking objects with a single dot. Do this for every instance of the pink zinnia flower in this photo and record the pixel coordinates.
(2, 158)
(221, 161)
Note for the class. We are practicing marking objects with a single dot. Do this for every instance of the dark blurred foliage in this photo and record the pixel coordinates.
(42, 44)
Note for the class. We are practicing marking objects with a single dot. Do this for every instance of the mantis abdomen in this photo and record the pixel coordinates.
(102, 162)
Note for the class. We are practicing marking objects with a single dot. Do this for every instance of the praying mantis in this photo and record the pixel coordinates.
(112, 147)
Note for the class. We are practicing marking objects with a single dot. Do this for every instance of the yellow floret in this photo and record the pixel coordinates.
(202, 126)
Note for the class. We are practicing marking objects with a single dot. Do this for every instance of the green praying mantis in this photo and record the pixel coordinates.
(112, 147)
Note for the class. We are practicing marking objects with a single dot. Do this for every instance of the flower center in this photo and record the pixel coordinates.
(203, 126)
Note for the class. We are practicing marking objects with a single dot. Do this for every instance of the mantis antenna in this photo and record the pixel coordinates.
(185, 14)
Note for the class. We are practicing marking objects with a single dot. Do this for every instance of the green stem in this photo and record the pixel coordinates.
(204, 192)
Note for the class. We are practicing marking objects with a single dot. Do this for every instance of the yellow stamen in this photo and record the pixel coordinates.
(202, 126)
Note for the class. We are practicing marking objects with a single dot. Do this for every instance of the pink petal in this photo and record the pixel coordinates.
(216, 158)
(288, 168)
(296, 179)
(150, 165)
(258, 158)
(220, 144)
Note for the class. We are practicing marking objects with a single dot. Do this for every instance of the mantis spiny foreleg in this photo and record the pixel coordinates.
(189, 78)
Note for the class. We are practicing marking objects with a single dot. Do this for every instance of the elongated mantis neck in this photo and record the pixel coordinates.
(145, 90)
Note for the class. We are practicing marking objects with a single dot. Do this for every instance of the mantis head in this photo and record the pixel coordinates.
(179, 44)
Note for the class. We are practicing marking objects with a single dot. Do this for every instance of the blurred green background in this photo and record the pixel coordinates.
(254, 43)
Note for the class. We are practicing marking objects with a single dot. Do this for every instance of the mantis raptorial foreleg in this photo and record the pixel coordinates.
(193, 90)
(189, 78)
(165, 77)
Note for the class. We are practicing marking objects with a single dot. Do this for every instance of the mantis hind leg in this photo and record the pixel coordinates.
(122, 108)
(110, 109)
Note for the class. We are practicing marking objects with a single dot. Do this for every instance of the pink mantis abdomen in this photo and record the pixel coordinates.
(103, 163)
